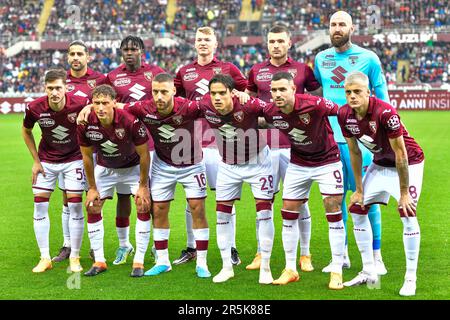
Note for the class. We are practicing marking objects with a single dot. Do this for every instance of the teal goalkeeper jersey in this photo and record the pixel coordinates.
(331, 68)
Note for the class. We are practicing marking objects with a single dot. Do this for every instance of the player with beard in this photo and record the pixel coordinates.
(278, 44)
(191, 82)
(81, 80)
(331, 68)
(132, 81)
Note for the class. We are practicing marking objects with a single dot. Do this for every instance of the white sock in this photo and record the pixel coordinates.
(202, 240)
(123, 233)
(161, 239)
(42, 226)
(290, 235)
(142, 234)
(363, 236)
(336, 236)
(258, 249)
(76, 226)
(96, 234)
(411, 243)
(224, 231)
(266, 232)
(189, 228)
(304, 225)
(233, 223)
(377, 254)
(65, 218)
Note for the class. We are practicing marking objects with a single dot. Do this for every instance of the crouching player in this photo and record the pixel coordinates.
(123, 160)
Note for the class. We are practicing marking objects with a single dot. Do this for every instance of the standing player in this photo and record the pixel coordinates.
(123, 161)
(58, 153)
(331, 68)
(80, 82)
(178, 158)
(192, 82)
(397, 170)
(132, 81)
(314, 157)
(245, 158)
(278, 44)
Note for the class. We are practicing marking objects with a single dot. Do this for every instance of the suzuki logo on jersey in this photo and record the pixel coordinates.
(368, 142)
(227, 131)
(297, 135)
(166, 131)
(80, 94)
(137, 91)
(339, 74)
(202, 86)
(60, 133)
(109, 147)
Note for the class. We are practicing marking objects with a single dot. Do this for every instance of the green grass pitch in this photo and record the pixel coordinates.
(19, 252)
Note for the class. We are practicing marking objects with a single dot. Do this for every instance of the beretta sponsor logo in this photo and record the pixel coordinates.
(190, 76)
(122, 82)
(46, 122)
(280, 124)
(265, 76)
(94, 135)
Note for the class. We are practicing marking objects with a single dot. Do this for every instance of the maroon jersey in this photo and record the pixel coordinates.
(192, 82)
(59, 137)
(261, 74)
(115, 146)
(259, 79)
(83, 86)
(308, 129)
(380, 124)
(133, 86)
(237, 132)
(172, 131)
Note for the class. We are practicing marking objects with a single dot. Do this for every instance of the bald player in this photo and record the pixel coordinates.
(331, 68)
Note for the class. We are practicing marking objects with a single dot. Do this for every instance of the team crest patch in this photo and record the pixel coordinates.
(148, 75)
(293, 72)
(72, 117)
(373, 126)
(305, 118)
(217, 70)
(120, 133)
(353, 60)
(70, 87)
(92, 83)
(178, 119)
(239, 116)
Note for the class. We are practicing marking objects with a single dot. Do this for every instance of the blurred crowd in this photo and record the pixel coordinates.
(403, 63)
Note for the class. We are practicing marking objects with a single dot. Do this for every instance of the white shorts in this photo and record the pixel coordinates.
(61, 184)
(152, 154)
(71, 173)
(164, 179)
(211, 158)
(280, 161)
(298, 180)
(380, 183)
(258, 175)
(124, 180)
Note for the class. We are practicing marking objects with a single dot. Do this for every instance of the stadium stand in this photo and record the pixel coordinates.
(404, 63)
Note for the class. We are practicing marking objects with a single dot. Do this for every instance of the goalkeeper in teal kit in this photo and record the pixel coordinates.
(331, 67)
